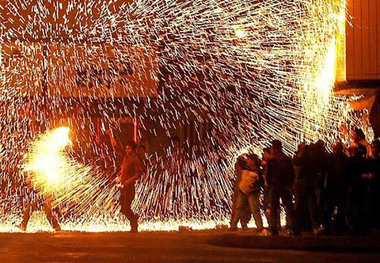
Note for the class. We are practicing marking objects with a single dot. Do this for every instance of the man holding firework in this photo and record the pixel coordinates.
(131, 171)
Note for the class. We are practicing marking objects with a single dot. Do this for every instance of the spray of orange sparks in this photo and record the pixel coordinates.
(241, 73)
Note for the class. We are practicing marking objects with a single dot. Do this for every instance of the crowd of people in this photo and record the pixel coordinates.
(327, 193)
(324, 192)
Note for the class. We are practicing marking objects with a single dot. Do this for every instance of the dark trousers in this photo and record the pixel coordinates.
(336, 197)
(306, 198)
(266, 207)
(254, 205)
(275, 193)
(30, 208)
(126, 198)
(358, 211)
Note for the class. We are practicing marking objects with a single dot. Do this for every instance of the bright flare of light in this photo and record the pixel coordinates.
(61, 137)
(341, 74)
(240, 33)
(46, 163)
(327, 77)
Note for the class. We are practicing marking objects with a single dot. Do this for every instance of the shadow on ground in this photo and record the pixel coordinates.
(362, 244)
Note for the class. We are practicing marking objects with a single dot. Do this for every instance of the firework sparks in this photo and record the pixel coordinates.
(238, 74)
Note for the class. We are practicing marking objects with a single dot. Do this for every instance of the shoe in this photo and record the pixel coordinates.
(258, 230)
(319, 230)
(22, 227)
(263, 233)
(134, 227)
(57, 229)
(244, 227)
(134, 230)
(233, 228)
(274, 232)
(294, 233)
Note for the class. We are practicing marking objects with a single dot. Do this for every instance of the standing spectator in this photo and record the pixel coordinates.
(319, 154)
(305, 186)
(336, 190)
(374, 187)
(249, 189)
(359, 139)
(280, 177)
(245, 215)
(358, 191)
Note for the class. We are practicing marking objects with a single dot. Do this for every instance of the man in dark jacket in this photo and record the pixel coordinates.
(305, 186)
(336, 190)
(358, 191)
(280, 178)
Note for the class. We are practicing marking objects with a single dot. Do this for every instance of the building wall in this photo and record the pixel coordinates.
(363, 40)
(78, 70)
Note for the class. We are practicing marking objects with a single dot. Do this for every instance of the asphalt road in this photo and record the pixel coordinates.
(195, 246)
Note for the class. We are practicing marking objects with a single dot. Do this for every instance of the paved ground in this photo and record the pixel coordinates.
(194, 246)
